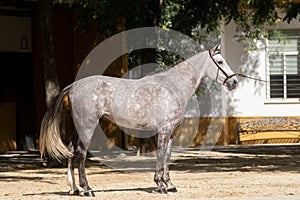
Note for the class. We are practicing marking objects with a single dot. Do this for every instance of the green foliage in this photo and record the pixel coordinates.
(251, 21)
(187, 17)
(206, 14)
(292, 11)
(184, 16)
(107, 14)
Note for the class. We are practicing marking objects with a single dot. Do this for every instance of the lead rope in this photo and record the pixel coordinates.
(256, 79)
(267, 82)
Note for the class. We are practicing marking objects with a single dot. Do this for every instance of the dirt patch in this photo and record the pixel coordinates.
(225, 172)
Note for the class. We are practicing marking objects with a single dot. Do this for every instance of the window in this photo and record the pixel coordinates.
(283, 66)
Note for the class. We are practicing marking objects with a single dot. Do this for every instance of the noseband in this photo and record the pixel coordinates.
(220, 69)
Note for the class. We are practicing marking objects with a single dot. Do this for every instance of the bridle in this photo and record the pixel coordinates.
(220, 69)
(232, 75)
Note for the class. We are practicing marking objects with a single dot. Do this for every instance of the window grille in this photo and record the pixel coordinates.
(283, 66)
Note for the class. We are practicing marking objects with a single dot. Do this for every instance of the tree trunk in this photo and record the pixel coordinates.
(49, 64)
(50, 73)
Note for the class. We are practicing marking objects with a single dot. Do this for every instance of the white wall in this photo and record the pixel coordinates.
(249, 99)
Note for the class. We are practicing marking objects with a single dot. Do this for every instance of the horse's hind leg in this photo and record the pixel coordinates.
(81, 155)
(71, 178)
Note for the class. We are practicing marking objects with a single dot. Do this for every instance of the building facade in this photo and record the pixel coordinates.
(276, 101)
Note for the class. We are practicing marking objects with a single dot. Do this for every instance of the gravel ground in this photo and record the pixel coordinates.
(233, 172)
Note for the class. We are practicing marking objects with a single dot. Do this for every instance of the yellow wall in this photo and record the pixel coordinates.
(199, 131)
(7, 126)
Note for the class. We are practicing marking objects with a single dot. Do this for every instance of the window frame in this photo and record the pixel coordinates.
(284, 54)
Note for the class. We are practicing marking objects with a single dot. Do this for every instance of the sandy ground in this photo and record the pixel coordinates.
(267, 172)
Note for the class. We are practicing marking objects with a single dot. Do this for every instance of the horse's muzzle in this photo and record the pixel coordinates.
(231, 82)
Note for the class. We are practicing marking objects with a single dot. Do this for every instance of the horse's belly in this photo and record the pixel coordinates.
(131, 124)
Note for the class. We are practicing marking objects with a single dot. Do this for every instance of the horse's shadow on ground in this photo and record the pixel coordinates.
(140, 189)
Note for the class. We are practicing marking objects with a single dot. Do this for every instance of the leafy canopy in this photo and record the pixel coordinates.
(185, 15)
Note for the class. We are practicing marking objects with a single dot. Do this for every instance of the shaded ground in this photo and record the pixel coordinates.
(225, 172)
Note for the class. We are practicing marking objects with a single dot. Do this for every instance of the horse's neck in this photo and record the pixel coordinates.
(185, 77)
(192, 69)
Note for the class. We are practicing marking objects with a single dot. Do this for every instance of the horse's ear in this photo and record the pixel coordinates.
(216, 49)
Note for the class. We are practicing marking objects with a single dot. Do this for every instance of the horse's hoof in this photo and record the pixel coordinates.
(74, 193)
(89, 193)
(172, 189)
(160, 191)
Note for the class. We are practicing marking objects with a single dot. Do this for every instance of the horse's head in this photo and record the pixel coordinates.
(219, 70)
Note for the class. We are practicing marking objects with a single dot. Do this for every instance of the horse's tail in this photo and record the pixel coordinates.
(50, 137)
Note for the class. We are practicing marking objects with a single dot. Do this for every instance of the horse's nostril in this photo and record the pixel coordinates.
(234, 82)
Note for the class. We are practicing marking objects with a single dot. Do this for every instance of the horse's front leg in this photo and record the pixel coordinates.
(166, 177)
(161, 154)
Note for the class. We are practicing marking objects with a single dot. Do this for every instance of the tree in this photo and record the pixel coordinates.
(50, 72)
(184, 16)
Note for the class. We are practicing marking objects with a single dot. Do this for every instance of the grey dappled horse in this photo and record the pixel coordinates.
(155, 102)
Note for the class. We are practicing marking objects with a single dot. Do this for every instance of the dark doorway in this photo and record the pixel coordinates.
(16, 86)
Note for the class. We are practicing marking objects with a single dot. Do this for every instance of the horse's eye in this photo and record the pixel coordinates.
(220, 62)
